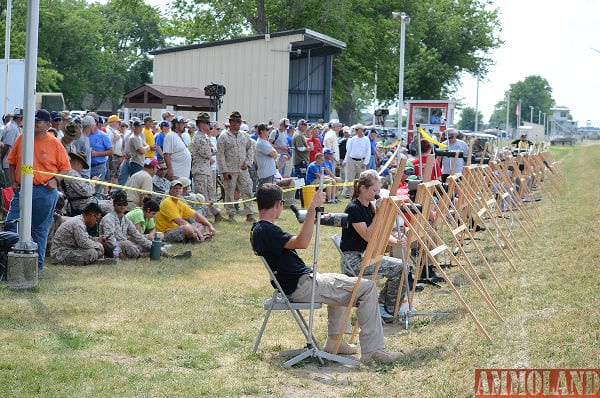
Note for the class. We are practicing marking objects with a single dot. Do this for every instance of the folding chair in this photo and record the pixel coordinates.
(280, 302)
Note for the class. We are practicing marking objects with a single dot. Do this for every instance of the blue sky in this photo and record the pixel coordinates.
(554, 40)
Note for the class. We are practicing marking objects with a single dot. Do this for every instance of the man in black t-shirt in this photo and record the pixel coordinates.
(279, 249)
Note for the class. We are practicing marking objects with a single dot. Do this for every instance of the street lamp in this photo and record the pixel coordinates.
(404, 19)
(507, 113)
(477, 105)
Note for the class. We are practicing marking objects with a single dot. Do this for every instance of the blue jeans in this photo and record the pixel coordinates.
(134, 168)
(43, 202)
(123, 173)
(99, 170)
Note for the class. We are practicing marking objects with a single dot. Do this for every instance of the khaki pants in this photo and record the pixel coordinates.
(335, 291)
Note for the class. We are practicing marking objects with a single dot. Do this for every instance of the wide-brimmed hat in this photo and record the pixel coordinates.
(81, 156)
(72, 131)
(203, 117)
(114, 118)
(235, 116)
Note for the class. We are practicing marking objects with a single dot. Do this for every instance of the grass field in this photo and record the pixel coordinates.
(186, 328)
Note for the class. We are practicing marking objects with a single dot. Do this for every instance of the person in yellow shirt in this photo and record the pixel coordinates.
(171, 219)
(148, 132)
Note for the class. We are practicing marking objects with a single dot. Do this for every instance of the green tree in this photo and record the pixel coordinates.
(467, 119)
(91, 53)
(443, 41)
(532, 91)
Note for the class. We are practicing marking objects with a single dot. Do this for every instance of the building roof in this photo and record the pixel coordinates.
(311, 40)
(156, 96)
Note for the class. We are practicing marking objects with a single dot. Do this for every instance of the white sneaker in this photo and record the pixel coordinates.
(382, 355)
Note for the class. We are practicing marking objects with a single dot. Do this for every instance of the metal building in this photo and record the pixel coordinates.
(266, 77)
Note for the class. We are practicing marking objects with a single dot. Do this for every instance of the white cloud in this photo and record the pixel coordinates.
(552, 39)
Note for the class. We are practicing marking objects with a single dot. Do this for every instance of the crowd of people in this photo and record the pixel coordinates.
(104, 189)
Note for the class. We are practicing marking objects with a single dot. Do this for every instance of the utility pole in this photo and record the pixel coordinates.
(531, 114)
(477, 105)
(507, 127)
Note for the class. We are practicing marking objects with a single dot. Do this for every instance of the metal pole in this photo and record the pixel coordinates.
(530, 114)
(404, 19)
(33, 20)
(540, 116)
(544, 124)
(307, 83)
(7, 54)
(519, 119)
(477, 105)
(375, 97)
(507, 127)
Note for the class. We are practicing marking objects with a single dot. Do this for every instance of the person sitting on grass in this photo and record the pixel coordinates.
(119, 230)
(171, 219)
(143, 218)
(73, 245)
(279, 250)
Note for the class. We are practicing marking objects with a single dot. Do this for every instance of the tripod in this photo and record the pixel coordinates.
(311, 351)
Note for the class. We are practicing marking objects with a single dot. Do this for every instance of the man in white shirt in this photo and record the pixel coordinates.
(177, 156)
(450, 165)
(358, 154)
(330, 141)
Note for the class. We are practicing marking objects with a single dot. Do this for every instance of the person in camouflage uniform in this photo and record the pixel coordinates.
(235, 154)
(73, 245)
(80, 193)
(118, 229)
(202, 153)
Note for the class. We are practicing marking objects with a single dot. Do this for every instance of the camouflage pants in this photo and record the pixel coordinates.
(243, 182)
(391, 268)
(75, 256)
(205, 185)
(176, 235)
(128, 249)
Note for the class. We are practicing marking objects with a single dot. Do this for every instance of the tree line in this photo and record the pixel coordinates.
(96, 52)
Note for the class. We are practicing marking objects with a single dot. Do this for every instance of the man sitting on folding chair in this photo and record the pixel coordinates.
(279, 250)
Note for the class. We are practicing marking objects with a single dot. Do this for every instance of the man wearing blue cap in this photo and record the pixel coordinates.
(50, 156)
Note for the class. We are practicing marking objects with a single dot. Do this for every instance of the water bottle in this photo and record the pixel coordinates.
(117, 252)
(155, 249)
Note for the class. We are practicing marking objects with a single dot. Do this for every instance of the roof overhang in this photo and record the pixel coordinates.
(154, 96)
(315, 41)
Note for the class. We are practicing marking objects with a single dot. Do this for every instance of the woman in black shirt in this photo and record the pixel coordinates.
(355, 238)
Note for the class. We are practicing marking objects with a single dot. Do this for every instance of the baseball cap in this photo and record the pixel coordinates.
(56, 116)
(175, 182)
(42, 115)
(185, 182)
(164, 123)
(328, 151)
(114, 118)
(151, 162)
